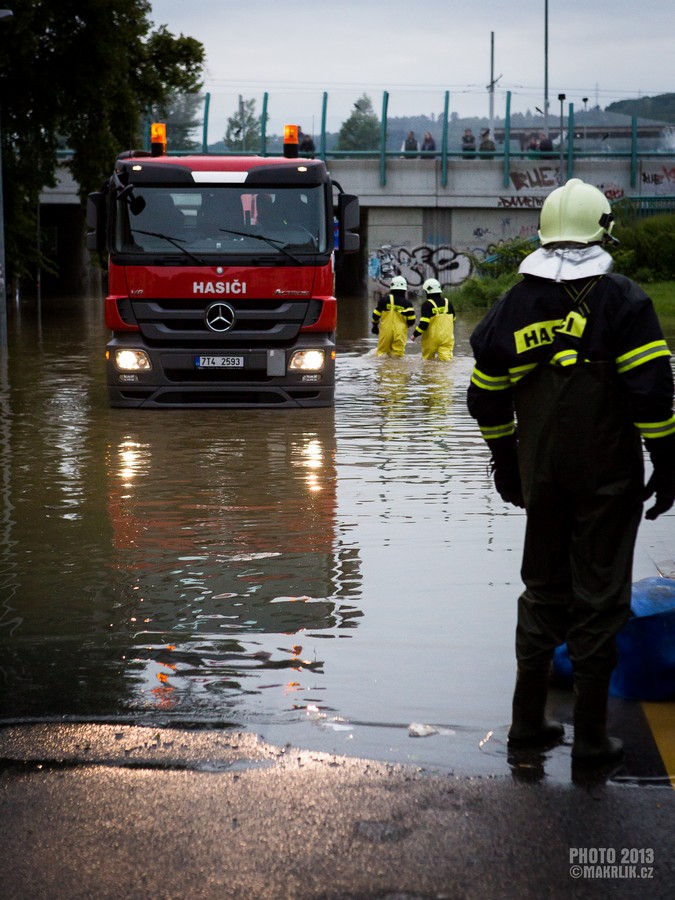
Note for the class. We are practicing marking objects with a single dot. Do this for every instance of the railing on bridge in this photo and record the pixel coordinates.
(635, 142)
(571, 143)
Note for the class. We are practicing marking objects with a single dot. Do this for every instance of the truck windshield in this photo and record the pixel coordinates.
(221, 219)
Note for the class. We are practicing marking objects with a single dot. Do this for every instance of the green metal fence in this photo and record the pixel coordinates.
(643, 207)
(634, 141)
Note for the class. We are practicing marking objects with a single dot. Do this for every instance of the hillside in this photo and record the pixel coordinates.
(660, 108)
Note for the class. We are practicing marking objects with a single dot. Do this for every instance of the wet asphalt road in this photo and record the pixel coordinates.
(127, 813)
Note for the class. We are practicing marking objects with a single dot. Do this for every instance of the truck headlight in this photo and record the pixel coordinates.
(132, 361)
(307, 361)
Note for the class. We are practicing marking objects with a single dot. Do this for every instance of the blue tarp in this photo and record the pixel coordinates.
(645, 645)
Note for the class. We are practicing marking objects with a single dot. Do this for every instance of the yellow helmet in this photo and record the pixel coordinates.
(576, 212)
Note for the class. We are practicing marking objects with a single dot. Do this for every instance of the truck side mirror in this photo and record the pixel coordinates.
(348, 221)
(96, 222)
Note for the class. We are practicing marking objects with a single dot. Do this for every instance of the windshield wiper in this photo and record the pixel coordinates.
(275, 243)
(176, 242)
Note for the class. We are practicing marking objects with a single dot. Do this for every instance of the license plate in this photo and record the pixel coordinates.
(219, 362)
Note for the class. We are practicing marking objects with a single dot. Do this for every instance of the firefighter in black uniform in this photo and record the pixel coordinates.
(571, 371)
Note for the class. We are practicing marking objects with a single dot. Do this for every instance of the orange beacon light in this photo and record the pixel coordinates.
(291, 141)
(158, 139)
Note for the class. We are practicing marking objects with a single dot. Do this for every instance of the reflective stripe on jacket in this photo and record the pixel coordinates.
(543, 323)
(431, 308)
(393, 303)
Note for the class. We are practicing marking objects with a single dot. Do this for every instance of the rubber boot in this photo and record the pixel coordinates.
(592, 745)
(529, 726)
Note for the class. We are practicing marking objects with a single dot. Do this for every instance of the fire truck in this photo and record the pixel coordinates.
(221, 277)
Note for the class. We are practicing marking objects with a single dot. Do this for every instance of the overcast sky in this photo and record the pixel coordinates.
(294, 50)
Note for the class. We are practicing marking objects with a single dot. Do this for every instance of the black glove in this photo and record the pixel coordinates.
(662, 481)
(374, 330)
(505, 470)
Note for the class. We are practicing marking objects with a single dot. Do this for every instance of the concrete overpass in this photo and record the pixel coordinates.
(423, 217)
(416, 225)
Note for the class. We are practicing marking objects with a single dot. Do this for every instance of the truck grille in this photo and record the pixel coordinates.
(177, 323)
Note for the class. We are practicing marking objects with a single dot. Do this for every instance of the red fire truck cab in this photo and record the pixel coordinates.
(221, 279)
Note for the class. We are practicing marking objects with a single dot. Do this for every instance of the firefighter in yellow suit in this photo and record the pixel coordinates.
(392, 317)
(436, 323)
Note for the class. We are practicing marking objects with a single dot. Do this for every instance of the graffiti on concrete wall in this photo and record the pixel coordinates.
(530, 185)
(520, 202)
(507, 228)
(532, 177)
(416, 264)
(548, 176)
(612, 190)
(657, 179)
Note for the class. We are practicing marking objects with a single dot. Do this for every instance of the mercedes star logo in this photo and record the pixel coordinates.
(220, 317)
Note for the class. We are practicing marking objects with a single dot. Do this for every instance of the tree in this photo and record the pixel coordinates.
(79, 73)
(361, 131)
(244, 128)
(182, 114)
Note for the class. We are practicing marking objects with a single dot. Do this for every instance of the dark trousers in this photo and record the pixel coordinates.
(577, 567)
(581, 467)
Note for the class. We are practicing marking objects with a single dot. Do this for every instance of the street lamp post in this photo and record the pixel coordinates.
(585, 102)
(5, 16)
(561, 97)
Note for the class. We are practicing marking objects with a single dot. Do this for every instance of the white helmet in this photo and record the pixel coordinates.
(398, 283)
(576, 212)
(432, 286)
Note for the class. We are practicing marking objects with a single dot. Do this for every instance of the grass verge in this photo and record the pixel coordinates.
(481, 293)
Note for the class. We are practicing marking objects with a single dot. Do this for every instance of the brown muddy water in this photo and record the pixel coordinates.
(324, 578)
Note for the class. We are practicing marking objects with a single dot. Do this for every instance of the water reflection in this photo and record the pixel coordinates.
(225, 532)
(324, 577)
(168, 565)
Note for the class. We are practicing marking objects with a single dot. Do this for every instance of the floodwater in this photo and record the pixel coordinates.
(322, 578)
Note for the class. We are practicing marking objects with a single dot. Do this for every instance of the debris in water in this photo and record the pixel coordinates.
(417, 730)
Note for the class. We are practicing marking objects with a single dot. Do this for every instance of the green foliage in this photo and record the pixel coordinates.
(646, 249)
(505, 258)
(494, 274)
(624, 260)
(481, 293)
(83, 73)
(244, 128)
(626, 214)
(361, 131)
(646, 253)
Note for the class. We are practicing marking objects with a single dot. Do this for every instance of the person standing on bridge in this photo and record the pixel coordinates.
(391, 319)
(428, 145)
(571, 370)
(306, 146)
(436, 323)
(410, 145)
(487, 146)
(545, 145)
(468, 144)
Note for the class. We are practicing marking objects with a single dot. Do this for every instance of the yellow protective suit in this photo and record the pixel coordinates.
(393, 334)
(439, 337)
